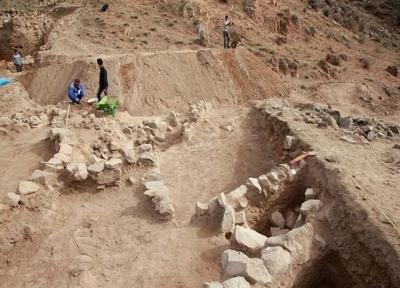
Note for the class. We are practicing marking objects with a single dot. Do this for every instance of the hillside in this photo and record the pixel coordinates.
(274, 164)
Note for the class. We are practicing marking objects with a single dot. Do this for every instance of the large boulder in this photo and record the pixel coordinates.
(278, 231)
(149, 158)
(145, 148)
(290, 219)
(96, 167)
(78, 171)
(27, 187)
(212, 285)
(248, 239)
(159, 194)
(81, 172)
(241, 219)
(285, 169)
(11, 200)
(276, 259)
(108, 177)
(113, 163)
(63, 157)
(256, 272)
(5, 121)
(236, 263)
(310, 206)
(201, 208)
(65, 149)
(310, 194)
(54, 164)
(221, 198)
(128, 152)
(277, 219)
(298, 242)
(3, 207)
(41, 177)
(63, 136)
(228, 220)
(154, 174)
(253, 183)
(268, 184)
(237, 198)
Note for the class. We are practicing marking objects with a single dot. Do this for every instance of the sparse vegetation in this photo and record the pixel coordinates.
(181, 6)
(249, 7)
(365, 63)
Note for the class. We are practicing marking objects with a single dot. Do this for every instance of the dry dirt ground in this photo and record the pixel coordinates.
(75, 236)
(122, 236)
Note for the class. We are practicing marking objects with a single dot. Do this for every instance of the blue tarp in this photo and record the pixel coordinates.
(4, 81)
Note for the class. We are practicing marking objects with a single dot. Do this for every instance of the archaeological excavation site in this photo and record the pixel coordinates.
(207, 143)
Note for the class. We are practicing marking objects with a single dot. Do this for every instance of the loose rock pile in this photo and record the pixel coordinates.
(273, 257)
(362, 129)
(158, 192)
(258, 258)
(285, 66)
(196, 111)
(352, 19)
(101, 160)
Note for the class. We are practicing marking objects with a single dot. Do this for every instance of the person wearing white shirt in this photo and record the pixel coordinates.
(227, 24)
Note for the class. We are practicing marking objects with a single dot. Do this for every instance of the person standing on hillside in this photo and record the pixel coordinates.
(103, 81)
(17, 60)
(227, 24)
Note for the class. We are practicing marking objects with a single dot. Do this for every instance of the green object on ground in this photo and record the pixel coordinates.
(108, 104)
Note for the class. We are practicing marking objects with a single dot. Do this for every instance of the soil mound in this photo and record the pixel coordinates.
(147, 83)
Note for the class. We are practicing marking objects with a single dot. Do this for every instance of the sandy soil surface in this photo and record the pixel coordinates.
(21, 155)
(74, 236)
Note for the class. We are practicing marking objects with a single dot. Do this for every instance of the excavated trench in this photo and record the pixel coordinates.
(348, 250)
(327, 271)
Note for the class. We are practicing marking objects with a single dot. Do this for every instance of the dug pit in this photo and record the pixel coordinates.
(310, 213)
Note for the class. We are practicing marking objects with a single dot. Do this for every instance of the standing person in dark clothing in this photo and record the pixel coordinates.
(103, 81)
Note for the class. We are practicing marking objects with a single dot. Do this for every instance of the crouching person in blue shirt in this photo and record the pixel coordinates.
(76, 91)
